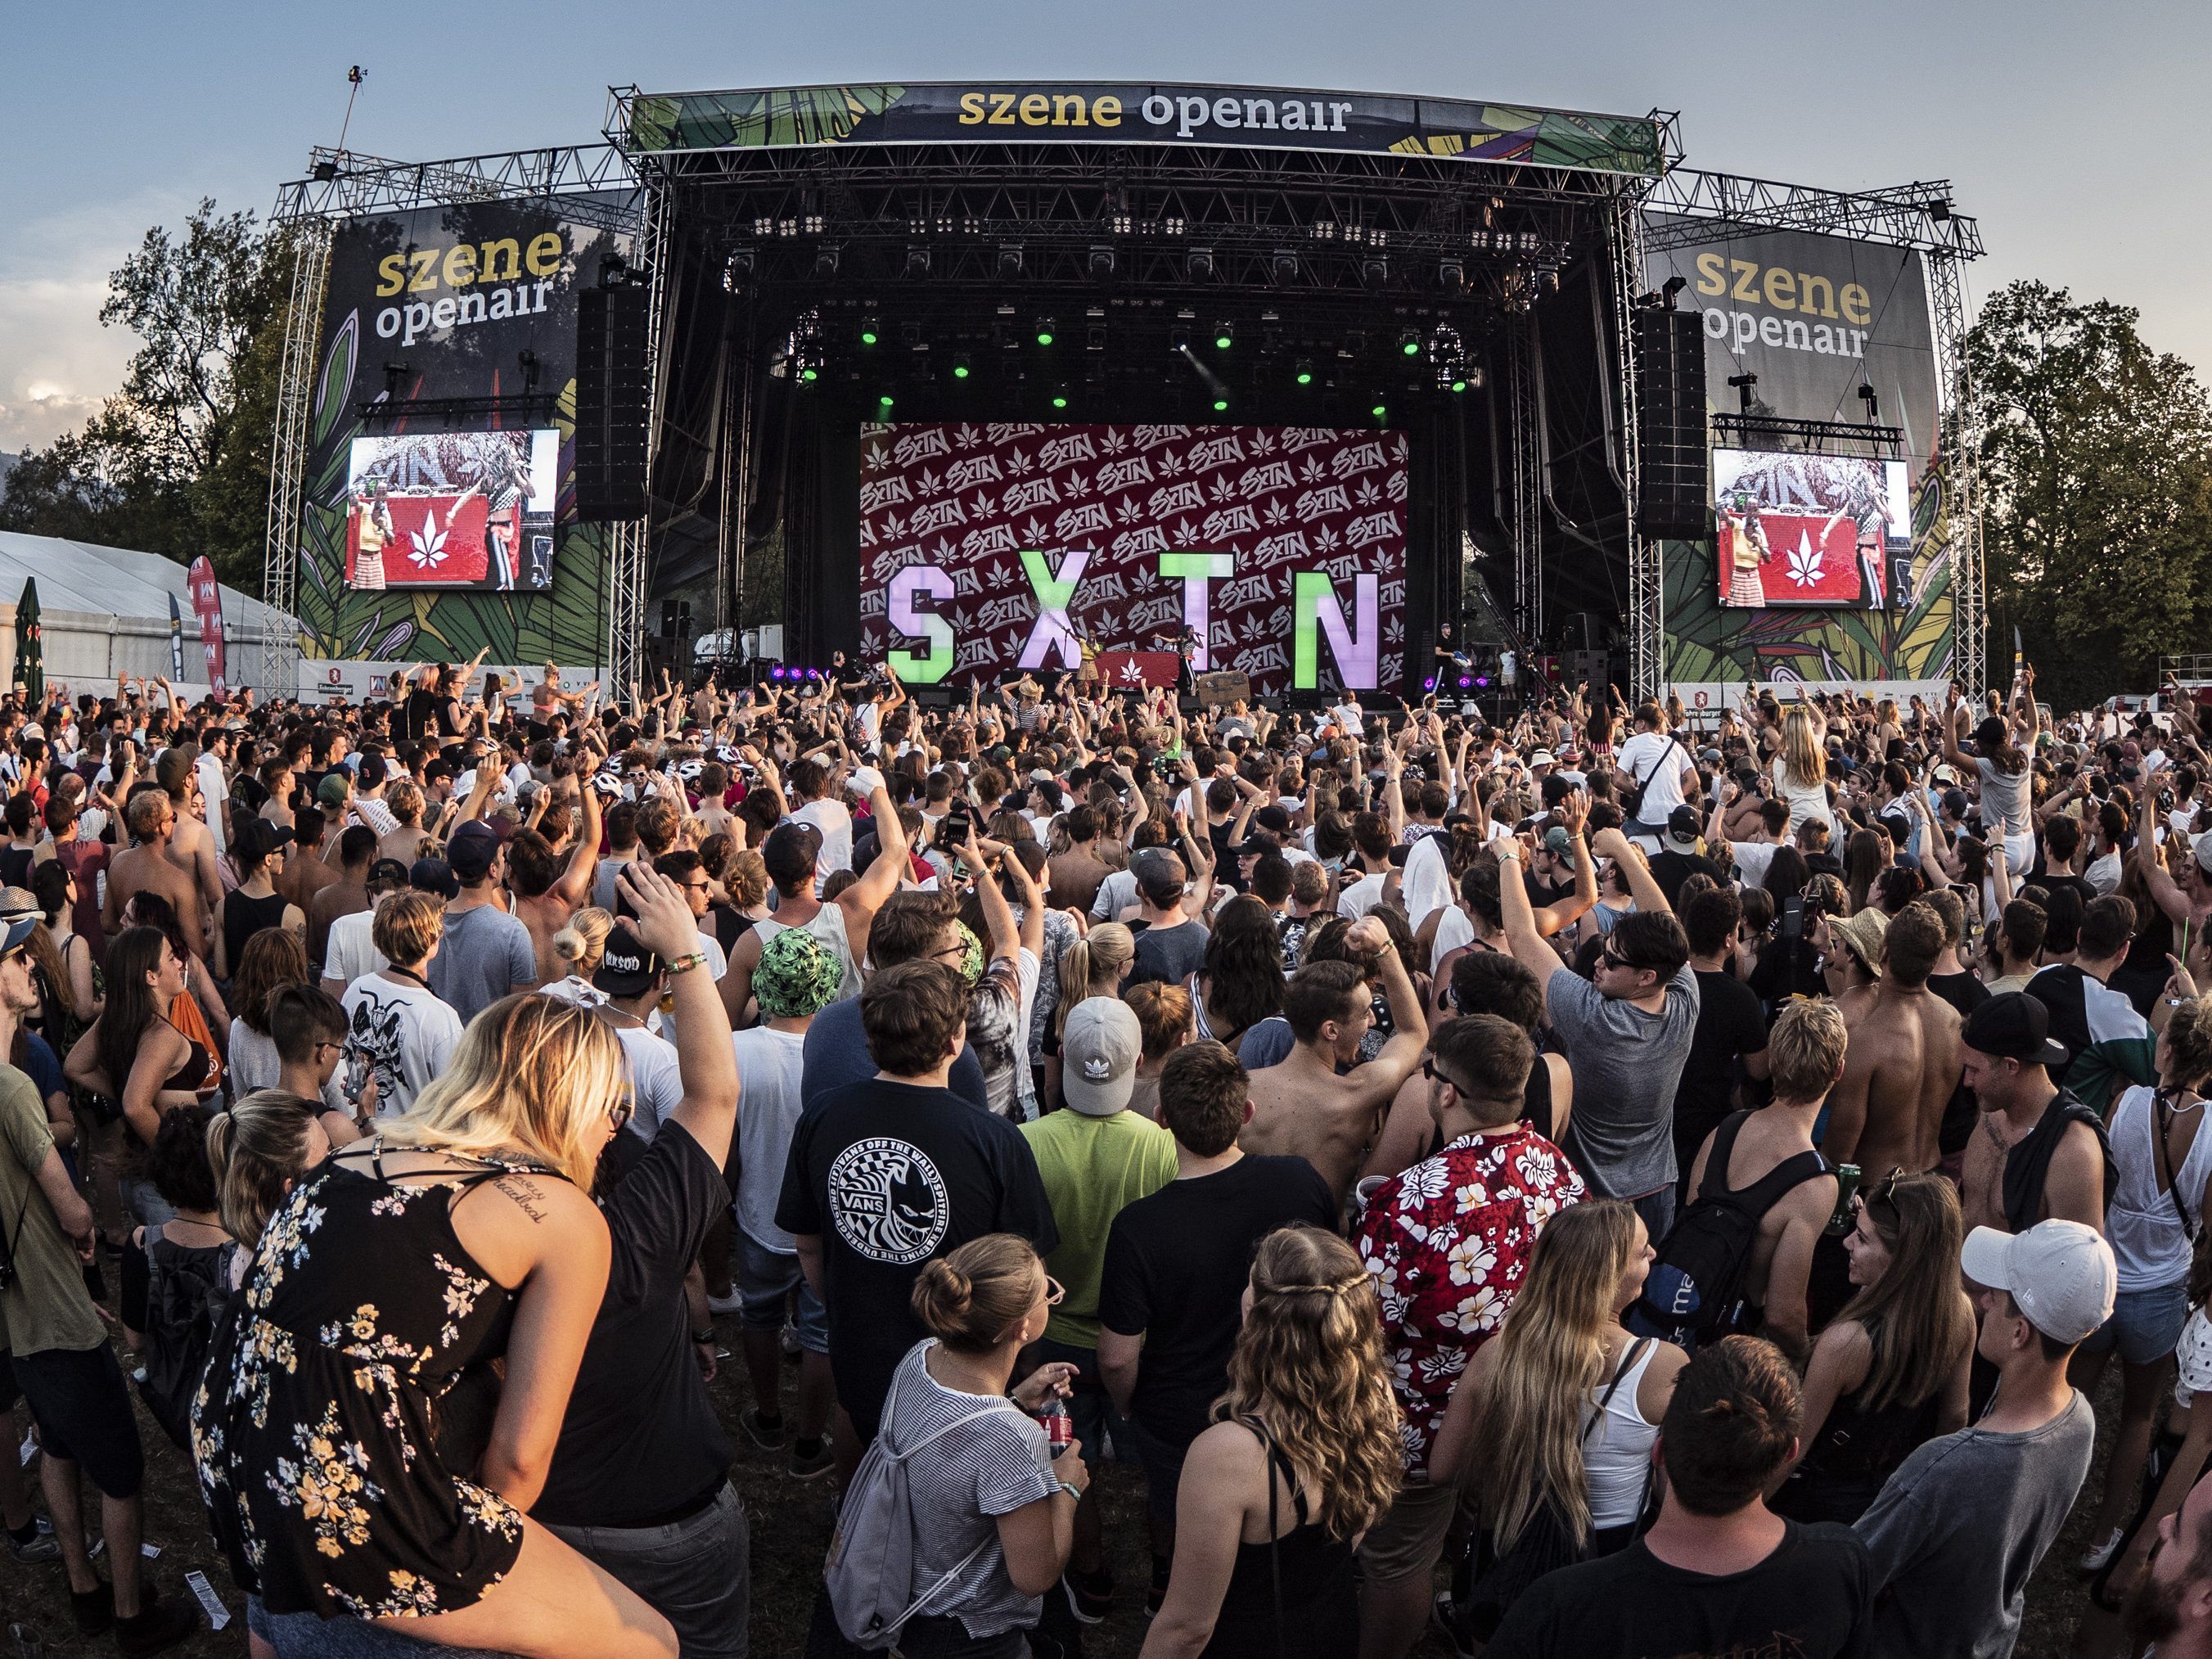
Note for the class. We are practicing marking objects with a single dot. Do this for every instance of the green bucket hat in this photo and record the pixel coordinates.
(797, 975)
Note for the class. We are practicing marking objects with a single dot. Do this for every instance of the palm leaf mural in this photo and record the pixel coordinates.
(334, 388)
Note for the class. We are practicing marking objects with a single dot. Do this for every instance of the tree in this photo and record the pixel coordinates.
(2097, 472)
(177, 461)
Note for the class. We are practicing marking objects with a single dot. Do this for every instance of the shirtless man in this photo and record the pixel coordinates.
(192, 844)
(149, 868)
(305, 872)
(791, 854)
(1301, 1107)
(2008, 1053)
(1904, 1061)
(548, 889)
(1806, 1052)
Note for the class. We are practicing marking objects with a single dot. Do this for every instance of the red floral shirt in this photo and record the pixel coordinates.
(1448, 1241)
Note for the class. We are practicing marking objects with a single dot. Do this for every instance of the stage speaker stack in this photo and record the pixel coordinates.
(1225, 687)
(1594, 667)
(1676, 498)
(610, 403)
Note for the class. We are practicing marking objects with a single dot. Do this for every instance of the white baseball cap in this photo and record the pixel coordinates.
(1098, 1054)
(2062, 1274)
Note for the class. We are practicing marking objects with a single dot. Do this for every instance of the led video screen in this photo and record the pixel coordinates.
(451, 509)
(1809, 529)
(988, 549)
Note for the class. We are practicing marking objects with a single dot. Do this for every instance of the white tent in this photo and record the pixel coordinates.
(104, 612)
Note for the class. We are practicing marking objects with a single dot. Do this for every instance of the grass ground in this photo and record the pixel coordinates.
(790, 1523)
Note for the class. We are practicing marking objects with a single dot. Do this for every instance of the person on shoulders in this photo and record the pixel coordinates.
(1717, 1571)
(1958, 1531)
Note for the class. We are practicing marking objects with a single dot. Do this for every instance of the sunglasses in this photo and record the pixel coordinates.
(1885, 1195)
(1054, 1291)
(1429, 1071)
(1607, 959)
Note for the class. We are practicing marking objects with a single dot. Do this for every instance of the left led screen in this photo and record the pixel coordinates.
(452, 509)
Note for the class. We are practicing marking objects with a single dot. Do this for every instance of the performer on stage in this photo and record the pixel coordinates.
(1086, 673)
(1748, 551)
(1183, 640)
(1450, 661)
(375, 535)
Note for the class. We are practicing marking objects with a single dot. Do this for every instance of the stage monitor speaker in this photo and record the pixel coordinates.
(1225, 687)
(1675, 500)
(611, 324)
(1592, 668)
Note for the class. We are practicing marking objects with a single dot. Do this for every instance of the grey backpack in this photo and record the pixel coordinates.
(870, 1571)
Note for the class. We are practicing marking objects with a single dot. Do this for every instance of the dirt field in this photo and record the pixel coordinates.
(790, 1523)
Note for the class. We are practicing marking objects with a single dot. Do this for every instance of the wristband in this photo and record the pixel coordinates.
(1072, 1490)
(703, 1339)
(685, 964)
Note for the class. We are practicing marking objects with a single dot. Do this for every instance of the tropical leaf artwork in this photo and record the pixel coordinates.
(753, 120)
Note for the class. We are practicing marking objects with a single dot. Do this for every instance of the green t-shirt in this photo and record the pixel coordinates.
(47, 1306)
(1092, 1167)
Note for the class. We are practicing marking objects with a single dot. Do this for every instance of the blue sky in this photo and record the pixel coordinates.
(2079, 134)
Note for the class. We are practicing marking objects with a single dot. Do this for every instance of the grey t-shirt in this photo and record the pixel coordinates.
(1169, 954)
(485, 955)
(1957, 1532)
(1626, 1063)
(2005, 798)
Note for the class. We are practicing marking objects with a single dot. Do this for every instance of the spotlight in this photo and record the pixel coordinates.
(825, 262)
(1283, 267)
(1378, 411)
(1179, 339)
(871, 330)
(1220, 403)
(738, 271)
(883, 402)
(1409, 342)
(1096, 337)
(960, 367)
(1375, 269)
(1744, 385)
(1429, 683)
(1100, 262)
(1451, 275)
(1060, 397)
(1200, 264)
(1671, 289)
(1009, 260)
(1045, 331)
(1224, 336)
(1465, 681)
(1305, 371)
(917, 260)
(614, 272)
(1872, 402)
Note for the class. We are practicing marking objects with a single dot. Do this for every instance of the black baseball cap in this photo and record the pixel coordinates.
(257, 837)
(471, 850)
(626, 968)
(434, 876)
(2016, 1026)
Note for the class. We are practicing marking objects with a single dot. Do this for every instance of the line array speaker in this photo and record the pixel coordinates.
(610, 403)
(1676, 498)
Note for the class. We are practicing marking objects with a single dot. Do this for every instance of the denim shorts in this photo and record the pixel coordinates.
(2145, 1324)
(765, 1278)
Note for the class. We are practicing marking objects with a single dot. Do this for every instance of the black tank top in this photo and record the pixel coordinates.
(1293, 1597)
(243, 916)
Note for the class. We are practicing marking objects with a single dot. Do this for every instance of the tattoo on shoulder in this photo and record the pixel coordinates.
(526, 1194)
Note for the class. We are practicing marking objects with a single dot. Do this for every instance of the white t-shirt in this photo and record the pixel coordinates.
(404, 1032)
(1360, 897)
(656, 1080)
(352, 951)
(1656, 760)
(1753, 859)
(770, 1065)
(832, 818)
(216, 792)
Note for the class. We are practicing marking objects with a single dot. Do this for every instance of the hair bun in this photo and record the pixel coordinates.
(570, 944)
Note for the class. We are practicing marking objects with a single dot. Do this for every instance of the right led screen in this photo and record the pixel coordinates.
(1809, 529)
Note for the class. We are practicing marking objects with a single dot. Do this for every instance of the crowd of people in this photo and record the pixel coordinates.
(1549, 1180)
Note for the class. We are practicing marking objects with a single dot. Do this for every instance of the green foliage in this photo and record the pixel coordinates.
(177, 461)
(2097, 490)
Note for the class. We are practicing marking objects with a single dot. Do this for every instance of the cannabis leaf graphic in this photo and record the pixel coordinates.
(427, 548)
(1805, 562)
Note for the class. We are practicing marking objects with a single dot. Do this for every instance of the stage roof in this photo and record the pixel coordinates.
(1123, 113)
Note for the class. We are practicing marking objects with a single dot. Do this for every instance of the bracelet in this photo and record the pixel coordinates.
(701, 1339)
(685, 964)
(1072, 1490)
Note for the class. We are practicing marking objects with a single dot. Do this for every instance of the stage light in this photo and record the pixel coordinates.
(885, 401)
(1060, 397)
(1671, 289)
(738, 271)
(1224, 336)
(1481, 682)
(1465, 681)
(960, 367)
(1283, 267)
(1409, 342)
(1451, 275)
(1459, 383)
(1100, 263)
(917, 261)
(1377, 411)
(869, 330)
(1375, 269)
(1220, 403)
(1305, 371)
(1429, 683)
(1096, 340)
(825, 263)
(1939, 211)
(1009, 260)
(1045, 329)
(1200, 264)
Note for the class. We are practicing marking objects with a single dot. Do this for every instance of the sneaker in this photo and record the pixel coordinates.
(93, 1609)
(1090, 1595)
(158, 1626)
(812, 1466)
(2098, 1556)
(43, 1545)
(725, 1304)
(761, 1432)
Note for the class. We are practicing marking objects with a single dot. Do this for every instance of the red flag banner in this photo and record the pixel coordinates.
(207, 605)
(1138, 671)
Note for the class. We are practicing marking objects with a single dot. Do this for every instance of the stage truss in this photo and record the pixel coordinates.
(591, 184)
(1918, 215)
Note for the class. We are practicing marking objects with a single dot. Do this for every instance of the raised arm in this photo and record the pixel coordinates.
(704, 1059)
(1612, 844)
(1522, 937)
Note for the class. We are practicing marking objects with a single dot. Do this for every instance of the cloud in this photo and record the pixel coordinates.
(57, 363)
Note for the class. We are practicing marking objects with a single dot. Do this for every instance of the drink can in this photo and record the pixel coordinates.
(1848, 1177)
(1059, 1426)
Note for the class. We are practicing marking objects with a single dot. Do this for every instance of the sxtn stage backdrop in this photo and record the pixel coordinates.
(1855, 580)
(987, 549)
(470, 543)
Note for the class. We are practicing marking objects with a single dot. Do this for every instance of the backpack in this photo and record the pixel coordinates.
(870, 1571)
(1694, 1292)
(187, 1297)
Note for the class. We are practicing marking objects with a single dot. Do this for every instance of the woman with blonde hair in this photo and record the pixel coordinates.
(580, 945)
(1891, 1370)
(258, 1149)
(1303, 1457)
(1801, 769)
(993, 1508)
(1566, 1405)
(343, 1470)
(1096, 963)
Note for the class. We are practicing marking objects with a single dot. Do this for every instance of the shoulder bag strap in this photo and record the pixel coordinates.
(2161, 1122)
(1628, 1365)
(1275, 1548)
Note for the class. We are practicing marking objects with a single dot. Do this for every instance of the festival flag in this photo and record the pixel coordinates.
(30, 651)
(207, 605)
